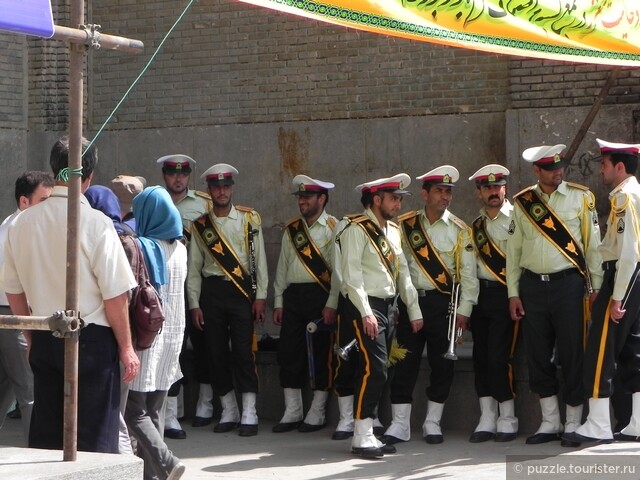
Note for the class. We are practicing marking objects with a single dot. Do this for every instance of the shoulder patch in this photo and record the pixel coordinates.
(457, 221)
(578, 186)
(524, 190)
(408, 215)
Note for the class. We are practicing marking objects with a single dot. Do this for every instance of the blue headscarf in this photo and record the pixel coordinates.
(103, 199)
(157, 218)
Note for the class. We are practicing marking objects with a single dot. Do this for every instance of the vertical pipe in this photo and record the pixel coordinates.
(70, 440)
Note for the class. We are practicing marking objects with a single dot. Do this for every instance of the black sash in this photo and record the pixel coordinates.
(491, 256)
(309, 254)
(379, 240)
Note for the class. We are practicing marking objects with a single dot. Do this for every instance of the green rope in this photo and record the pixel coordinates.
(146, 67)
(63, 175)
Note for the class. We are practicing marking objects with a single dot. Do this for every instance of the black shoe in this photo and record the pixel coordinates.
(621, 437)
(307, 427)
(248, 430)
(569, 443)
(390, 439)
(479, 437)
(387, 449)
(341, 435)
(224, 427)
(433, 439)
(379, 431)
(201, 422)
(505, 437)
(175, 434)
(17, 414)
(285, 427)
(576, 437)
(369, 452)
(539, 438)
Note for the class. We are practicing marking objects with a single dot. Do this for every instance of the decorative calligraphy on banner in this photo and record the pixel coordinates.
(588, 31)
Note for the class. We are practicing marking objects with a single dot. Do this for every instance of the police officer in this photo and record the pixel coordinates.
(227, 291)
(552, 260)
(614, 335)
(303, 295)
(374, 272)
(494, 333)
(439, 251)
(176, 173)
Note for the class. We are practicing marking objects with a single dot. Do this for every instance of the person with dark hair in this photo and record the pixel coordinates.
(614, 336)
(227, 291)
(553, 266)
(374, 273)
(15, 374)
(104, 199)
(33, 278)
(441, 262)
(303, 294)
(159, 230)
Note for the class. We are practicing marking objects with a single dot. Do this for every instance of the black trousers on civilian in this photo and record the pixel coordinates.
(494, 341)
(372, 372)
(303, 303)
(612, 346)
(228, 318)
(554, 317)
(98, 390)
(434, 306)
(345, 376)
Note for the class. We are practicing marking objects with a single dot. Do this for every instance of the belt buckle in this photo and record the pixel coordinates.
(544, 278)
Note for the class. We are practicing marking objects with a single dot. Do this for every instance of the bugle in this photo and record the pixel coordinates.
(454, 333)
(343, 353)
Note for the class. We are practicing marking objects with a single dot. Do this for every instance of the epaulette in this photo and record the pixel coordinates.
(291, 220)
(332, 222)
(204, 195)
(408, 215)
(355, 218)
(524, 190)
(393, 224)
(244, 209)
(458, 222)
(578, 186)
(251, 214)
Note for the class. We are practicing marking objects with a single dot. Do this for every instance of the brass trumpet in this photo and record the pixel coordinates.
(454, 333)
(343, 353)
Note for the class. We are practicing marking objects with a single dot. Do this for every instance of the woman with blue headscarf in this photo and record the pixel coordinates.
(159, 229)
(103, 199)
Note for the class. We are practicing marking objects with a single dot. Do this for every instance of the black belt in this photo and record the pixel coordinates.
(550, 277)
(388, 301)
(424, 293)
(609, 265)
(219, 278)
(491, 283)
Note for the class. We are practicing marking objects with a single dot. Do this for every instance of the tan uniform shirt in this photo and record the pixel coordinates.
(290, 268)
(498, 231)
(364, 273)
(445, 234)
(528, 248)
(193, 205)
(233, 229)
(622, 240)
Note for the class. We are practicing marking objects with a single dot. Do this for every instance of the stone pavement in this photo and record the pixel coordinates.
(303, 456)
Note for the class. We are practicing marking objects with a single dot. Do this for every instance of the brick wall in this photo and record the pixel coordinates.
(12, 94)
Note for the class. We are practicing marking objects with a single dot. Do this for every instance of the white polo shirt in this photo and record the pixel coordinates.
(35, 259)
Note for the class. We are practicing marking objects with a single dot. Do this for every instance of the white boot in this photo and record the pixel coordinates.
(345, 424)
(363, 436)
(400, 428)
(550, 415)
(230, 413)
(598, 424)
(171, 414)
(633, 429)
(573, 418)
(292, 411)
(487, 425)
(431, 427)
(249, 415)
(507, 425)
(316, 416)
(204, 407)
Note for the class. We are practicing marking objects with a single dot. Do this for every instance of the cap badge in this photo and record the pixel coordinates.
(446, 178)
(302, 187)
(492, 177)
(401, 184)
(221, 176)
(178, 166)
(556, 158)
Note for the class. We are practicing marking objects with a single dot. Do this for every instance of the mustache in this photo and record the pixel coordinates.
(491, 197)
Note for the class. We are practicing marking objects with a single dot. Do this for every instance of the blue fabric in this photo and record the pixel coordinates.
(157, 218)
(103, 199)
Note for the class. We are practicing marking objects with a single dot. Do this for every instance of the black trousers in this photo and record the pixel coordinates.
(345, 373)
(434, 306)
(98, 390)
(303, 303)
(494, 341)
(613, 347)
(371, 375)
(554, 317)
(228, 318)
